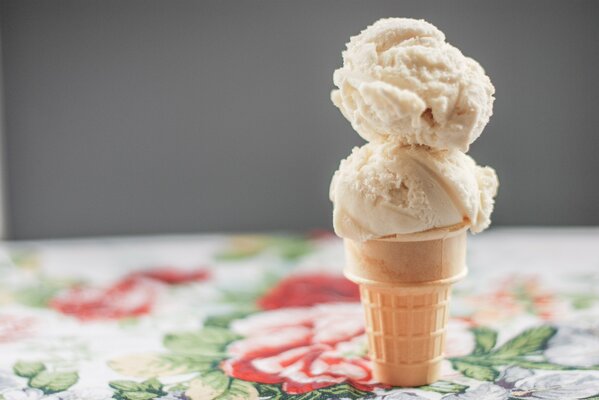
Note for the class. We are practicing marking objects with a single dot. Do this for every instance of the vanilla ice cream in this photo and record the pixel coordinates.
(401, 81)
(385, 188)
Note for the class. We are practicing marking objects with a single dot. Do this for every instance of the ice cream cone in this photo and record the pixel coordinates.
(405, 286)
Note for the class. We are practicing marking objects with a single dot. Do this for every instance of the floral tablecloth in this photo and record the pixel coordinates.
(247, 317)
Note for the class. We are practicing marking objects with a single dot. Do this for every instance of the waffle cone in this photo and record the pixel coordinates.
(405, 287)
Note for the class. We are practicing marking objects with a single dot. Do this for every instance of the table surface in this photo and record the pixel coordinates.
(244, 317)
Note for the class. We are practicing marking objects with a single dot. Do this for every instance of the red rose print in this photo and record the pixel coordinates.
(130, 297)
(308, 290)
(173, 276)
(302, 348)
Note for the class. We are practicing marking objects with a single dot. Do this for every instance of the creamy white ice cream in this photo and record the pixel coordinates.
(401, 81)
(385, 188)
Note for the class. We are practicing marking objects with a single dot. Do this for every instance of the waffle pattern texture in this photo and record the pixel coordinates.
(406, 328)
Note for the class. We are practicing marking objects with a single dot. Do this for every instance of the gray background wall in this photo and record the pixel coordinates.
(159, 116)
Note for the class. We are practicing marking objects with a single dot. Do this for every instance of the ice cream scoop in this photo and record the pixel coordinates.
(401, 81)
(385, 189)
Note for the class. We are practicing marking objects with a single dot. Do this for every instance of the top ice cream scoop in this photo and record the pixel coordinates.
(402, 82)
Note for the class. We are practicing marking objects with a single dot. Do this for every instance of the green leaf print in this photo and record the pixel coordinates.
(209, 340)
(213, 382)
(339, 391)
(485, 339)
(127, 390)
(536, 365)
(52, 382)
(236, 255)
(444, 387)
(582, 301)
(287, 247)
(523, 350)
(291, 248)
(239, 389)
(152, 385)
(28, 369)
(216, 385)
(474, 371)
(24, 258)
(529, 341)
(37, 296)
(272, 392)
(138, 396)
(192, 363)
(178, 387)
(344, 390)
(126, 386)
(223, 320)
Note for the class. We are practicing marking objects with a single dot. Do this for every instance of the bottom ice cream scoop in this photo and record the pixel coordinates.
(383, 189)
